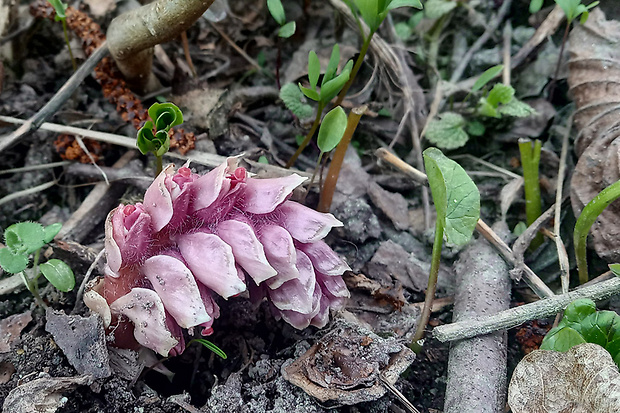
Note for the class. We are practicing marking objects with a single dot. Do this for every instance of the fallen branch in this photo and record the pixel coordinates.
(519, 315)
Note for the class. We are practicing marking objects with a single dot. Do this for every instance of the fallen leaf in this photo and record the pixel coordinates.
(11, 328)
(584, 379)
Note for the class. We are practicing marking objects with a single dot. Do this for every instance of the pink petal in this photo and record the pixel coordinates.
(212, 262)
(281, 254)
(306, 225)
(212, 309)
(334, 284)
(320, 320)
(176, 286)
(158, 201)
(296, 295)
(324, 259)
(207, 188)
(300, 320)
(112, 250)
(248, 251)
(262, 196)
(145, 309)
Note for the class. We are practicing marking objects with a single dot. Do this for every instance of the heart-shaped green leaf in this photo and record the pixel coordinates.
(24, 237)
(456, 197)
(58, 274)
(332, 129)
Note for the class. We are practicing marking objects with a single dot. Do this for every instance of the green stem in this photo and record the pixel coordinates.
(316, 168)
(356, 67)
(587, 217)
(31, 283)
(530, 159)
(158, 165)
(64, 29)
(306, 141)
(432, 283)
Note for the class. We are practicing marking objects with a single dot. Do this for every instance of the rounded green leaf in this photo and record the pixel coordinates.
(287, 30)
(314, 69)
(578, 310)
(58, 274)
(24, 237)
(332, 129)
(456, 197)
(561, 339)
(165, 115)
(12, 263)
(277, 11)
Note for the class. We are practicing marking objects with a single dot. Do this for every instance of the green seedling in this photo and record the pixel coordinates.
(25, 239)
(287, 29)
(501, 101)
(153, 136)
(210, 346)
(457, 203)
(583, 324)
(60, 9)
(330, 134)
(296, 102)
(530, 159)
(331, 84)
(535, 6)
(588, 215)
(373, 12)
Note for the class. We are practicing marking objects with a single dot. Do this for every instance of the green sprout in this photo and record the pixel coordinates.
(331, 85)
(60, 9)
(530, 159)
(373, 12)
(164, 116)
(588, 215)
(583, 324)
(24, 239)
(210, 346)
(457, 203)
(574, 9)
(287, 29)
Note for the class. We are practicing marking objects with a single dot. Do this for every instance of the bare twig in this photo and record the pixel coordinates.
(490, 29)
(518, 315)
(562, 255)
(56, 101)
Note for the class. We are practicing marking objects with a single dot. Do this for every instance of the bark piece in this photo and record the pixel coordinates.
(82, 340)
(393, 205)
(477, 366)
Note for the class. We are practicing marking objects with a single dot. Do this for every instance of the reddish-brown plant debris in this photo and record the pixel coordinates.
(69, 149)
(114, 88)
(530, 335)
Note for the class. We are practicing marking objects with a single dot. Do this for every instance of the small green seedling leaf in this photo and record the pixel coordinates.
(263, 159)
(615, 268)
(332, 129)
(475, 128)
(309, 93)
(332, 66)
(456, 197)
(210, 346)
(12, 263)
(51, 231)
(58, 274)
(165, 115)
(314, 69)
(277, 11)
(394, 4)
(287, 30)
(517, 109)
(330, 89)
(434, 9)
(447, 132)
(24, 237)
(500, 94)
(369, 9)
(294, 100)
(535, 6)
(60, 9)
(487, 76)
(583, 324)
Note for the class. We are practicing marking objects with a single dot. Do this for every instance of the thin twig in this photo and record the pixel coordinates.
(490, 29)
(562, 256)
(26, 192)
(519, 315)
(398, 395)
(237, 48)
(506, 52)
(80, 293)
(56, 101)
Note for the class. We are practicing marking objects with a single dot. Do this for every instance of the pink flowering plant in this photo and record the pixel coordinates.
(222, 233)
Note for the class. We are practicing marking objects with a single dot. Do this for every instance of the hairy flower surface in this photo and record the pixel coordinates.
(221, 233)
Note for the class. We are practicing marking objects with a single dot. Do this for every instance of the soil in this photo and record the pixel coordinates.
(385, 238)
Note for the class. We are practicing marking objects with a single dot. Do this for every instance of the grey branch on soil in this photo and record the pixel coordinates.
(56, 101)
(519, 315)
(477, 366)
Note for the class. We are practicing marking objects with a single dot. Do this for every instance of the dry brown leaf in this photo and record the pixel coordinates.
(594, 82)
(11, 329)
(585, 379)
(42, 395)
